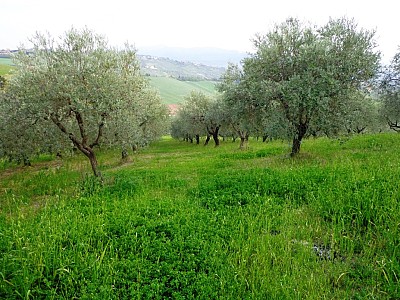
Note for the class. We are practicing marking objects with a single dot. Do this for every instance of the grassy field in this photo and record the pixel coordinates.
(181, 221)
(173, 91)
(6, 61)
(5, 65)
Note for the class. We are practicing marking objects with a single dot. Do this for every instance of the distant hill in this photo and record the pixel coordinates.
(161, 66)
(174, 80)
(173, 91)
(166, 67)
(206, 56)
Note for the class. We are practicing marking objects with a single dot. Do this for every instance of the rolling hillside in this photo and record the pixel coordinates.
(173, 91)
(183, 70)
(6, 61)
(199, 55)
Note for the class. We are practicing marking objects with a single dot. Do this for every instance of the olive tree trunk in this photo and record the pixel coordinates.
(298, 137)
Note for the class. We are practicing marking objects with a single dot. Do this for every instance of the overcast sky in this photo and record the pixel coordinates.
(226, 24)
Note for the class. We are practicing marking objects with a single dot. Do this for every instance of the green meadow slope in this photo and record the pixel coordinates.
(183, 221)
(6, 61)
(173, 91)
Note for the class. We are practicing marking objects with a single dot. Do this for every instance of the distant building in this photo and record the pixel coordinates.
(173, 109)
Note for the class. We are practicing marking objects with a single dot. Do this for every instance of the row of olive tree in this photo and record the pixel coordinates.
(77, 92)
(199, 116)
(302, 80)
(390, 93)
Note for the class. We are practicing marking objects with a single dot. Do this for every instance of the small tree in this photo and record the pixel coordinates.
(362, 114)
(82, 87)
(191, 116)
(198, 116)
(241, 103)
(215, 118)
(146, 119)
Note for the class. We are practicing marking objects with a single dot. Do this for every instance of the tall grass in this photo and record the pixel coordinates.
(184, 221)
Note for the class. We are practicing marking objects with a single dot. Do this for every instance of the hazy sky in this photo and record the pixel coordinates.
(227, 24)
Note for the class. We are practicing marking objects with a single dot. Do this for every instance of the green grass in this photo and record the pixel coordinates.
(183, 221)
(5, 65)
(6, 61)
(5, 69)
(173, 91)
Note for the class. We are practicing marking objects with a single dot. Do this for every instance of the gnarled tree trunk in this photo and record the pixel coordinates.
(207, 139)
(82, 144)
(244, 139)
(298, 137)
(215, 133)
(93, 162)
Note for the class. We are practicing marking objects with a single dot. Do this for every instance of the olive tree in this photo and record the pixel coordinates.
(199, 115)
(241, 102)
(82, 88)
(362, 114)
(306, 73)
(142, 122)
(216, 117)
(390, 92)
(190, 120)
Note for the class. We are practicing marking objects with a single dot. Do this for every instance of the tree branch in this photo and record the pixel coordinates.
(81, 125)
(144, 122)
(100, 131)
(394, 125)
(70, 135)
